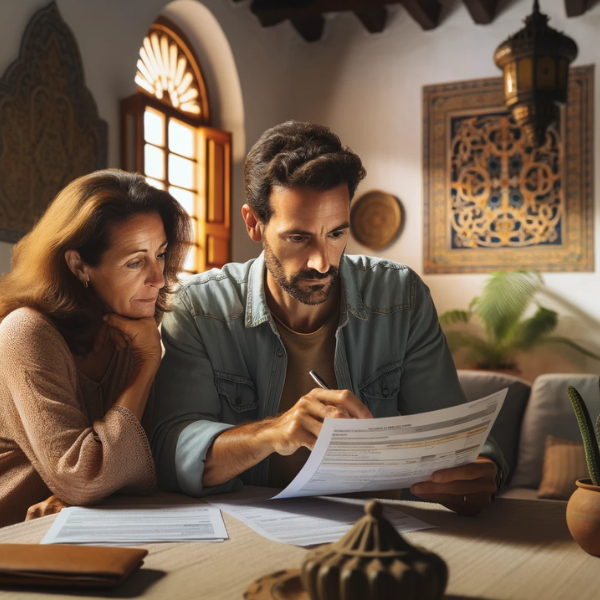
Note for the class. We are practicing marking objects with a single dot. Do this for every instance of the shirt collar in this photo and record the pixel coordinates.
(257, 310)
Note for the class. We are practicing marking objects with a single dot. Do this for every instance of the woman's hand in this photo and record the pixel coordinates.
(50, 506)
(142, 335)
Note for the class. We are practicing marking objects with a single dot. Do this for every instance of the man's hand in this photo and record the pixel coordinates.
(49, 506)
(300, 426)
(465, 490)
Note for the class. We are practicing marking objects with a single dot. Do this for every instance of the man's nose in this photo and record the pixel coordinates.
(319, 259)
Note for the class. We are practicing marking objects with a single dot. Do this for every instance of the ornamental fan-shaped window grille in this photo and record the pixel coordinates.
(167, 70)
(166, 136)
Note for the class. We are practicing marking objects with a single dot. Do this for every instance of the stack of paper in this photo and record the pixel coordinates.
(362, 455)
(118, 525)
(308, 521)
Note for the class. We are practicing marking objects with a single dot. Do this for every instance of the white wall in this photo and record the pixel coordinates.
(368, 89)
(110, 33)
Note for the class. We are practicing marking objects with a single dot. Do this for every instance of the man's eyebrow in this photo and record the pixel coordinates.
(345, 225)
(129, 252)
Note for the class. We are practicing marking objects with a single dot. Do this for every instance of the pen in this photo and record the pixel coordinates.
(322, 384)
(318, 380)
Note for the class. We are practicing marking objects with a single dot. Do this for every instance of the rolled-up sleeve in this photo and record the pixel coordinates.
(429, 378)
(187, 406)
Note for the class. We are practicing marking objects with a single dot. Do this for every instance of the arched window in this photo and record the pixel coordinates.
(165, 135)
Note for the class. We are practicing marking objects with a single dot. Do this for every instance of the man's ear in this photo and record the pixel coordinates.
(254, 225)
(77, 266)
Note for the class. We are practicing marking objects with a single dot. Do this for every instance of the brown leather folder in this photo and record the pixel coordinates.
(67, 566)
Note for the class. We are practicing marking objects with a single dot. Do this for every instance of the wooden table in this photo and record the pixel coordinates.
(517, 549)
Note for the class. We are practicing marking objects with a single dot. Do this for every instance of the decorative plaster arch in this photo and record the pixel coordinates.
(218, 67)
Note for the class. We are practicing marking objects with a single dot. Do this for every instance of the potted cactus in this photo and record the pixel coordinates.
(583, 509)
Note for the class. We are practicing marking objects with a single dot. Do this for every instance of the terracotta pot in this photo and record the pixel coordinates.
(583, 516)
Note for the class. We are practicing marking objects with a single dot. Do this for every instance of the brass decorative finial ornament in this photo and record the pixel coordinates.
(373, 562)
(535, 62)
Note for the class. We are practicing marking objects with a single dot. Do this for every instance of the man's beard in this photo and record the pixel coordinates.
(311, 295)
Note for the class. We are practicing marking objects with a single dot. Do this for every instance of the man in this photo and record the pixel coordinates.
(234, 400)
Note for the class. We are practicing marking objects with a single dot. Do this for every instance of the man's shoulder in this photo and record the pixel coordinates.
(218, 293)
(384, 285)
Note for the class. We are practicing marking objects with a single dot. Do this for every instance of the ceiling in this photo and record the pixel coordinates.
(308, 16)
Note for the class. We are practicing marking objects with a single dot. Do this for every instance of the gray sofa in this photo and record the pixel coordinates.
(530, 413)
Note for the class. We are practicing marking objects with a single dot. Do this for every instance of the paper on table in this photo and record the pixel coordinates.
(308, 521)
(355, 455)
(140, 525)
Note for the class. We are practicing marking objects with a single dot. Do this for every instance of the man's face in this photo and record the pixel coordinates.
(305, 238)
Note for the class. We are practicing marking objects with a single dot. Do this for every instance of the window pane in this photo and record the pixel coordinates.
(181, 171)
(156, 184)
(154, 124)
(154, 162)
(181, 139)
(185, 198)
(190, 261)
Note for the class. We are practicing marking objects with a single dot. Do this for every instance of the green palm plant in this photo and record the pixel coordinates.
(500, 309)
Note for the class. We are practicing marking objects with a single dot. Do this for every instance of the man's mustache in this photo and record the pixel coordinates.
(314, 274)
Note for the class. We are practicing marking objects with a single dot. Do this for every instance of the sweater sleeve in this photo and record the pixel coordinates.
(80, 462)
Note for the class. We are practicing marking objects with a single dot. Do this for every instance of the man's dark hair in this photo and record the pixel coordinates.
(298, 154)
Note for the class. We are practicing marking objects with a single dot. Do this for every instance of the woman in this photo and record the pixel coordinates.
(80, 346)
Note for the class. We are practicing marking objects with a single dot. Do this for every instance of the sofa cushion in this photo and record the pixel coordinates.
(564, 464)
(549, 412)
(478, 384)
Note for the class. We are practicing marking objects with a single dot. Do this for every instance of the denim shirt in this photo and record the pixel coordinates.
(225, 363)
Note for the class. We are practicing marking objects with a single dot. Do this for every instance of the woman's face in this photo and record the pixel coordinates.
(130, 273)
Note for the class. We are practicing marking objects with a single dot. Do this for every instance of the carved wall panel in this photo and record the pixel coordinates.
(50, 132)
(494, 203)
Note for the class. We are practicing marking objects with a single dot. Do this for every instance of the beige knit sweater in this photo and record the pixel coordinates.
(59, 431)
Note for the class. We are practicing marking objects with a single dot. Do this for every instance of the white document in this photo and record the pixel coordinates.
(140, 525)
(357, 455)
(308, 521)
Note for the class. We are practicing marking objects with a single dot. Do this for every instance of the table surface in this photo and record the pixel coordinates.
(516, 549)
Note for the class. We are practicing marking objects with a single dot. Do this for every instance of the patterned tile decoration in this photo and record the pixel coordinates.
(50, 130)
(492, 202)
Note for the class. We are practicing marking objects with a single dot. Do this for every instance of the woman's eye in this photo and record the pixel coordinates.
(134, 265)
(162, 256)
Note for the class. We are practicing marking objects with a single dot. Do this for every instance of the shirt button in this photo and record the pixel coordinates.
(386, 392)
(238, 400)
(279, 353)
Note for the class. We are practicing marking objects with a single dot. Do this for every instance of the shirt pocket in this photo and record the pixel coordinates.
(238, 394)
(380, 391)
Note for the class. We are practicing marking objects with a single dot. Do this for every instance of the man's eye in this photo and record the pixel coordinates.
(338, 234)
(297, 238)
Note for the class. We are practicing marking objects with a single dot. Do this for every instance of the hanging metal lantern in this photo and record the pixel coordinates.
(535, 62)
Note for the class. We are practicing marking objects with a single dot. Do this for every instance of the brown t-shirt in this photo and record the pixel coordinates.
(59, 431)
(305, 352)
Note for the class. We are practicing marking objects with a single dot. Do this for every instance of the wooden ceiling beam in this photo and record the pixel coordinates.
(425, 12)
(373, 19)
(310, 28)
(482, 11)
(372, 13)
(575, 8)
(307, 15)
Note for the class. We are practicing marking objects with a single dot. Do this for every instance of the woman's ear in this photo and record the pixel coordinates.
(253, 223)
(77, 266)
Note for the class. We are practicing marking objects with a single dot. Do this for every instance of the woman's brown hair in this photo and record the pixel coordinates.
(81, 218)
